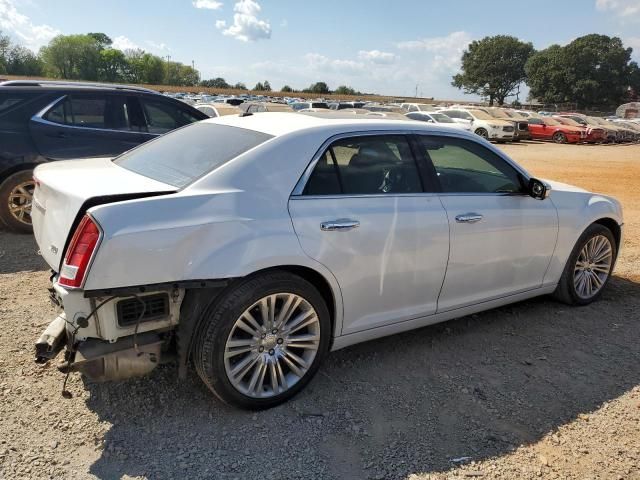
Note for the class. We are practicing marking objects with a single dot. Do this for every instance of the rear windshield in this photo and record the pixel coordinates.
(184, 155)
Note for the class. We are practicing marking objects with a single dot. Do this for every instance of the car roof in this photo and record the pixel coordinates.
(281, 123)
(62, 85)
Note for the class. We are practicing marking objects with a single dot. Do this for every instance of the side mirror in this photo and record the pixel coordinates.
(539, 189)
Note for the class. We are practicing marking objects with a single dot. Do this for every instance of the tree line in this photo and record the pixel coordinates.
(593, 70)
(92, 57)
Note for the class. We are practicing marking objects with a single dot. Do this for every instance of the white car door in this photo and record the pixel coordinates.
(502, 239)
(364, 214)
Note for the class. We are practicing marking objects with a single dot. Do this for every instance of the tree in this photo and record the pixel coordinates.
(72, 56)
(218, 82)
(593, 70)
(493, 67)
(240, 86)
(267, 86)
(319, 87)
(113, 65)
(22, 61)
(345, 90)
(5, 45)
(259, 87)
(287, 89)
(103, 39)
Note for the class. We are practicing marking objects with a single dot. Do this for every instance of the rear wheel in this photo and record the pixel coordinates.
(263, 341)
(16, 196)
(589, 267)
(559, 137)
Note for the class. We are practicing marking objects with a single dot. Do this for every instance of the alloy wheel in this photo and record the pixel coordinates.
(272, 345)
(593, 266)
(20, 200)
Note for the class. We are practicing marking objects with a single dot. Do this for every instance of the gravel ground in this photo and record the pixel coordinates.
(533, 390)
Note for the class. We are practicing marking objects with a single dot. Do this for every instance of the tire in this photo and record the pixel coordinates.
(215, 358)
(483, 133)
(559, 137)
(16, 194)
(567, 292)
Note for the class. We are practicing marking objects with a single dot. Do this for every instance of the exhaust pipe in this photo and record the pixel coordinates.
(52, 340)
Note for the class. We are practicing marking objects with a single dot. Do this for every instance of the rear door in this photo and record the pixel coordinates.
(88, 125)
(365, 215)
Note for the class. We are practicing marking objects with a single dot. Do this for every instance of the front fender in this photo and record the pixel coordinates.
(577, 210)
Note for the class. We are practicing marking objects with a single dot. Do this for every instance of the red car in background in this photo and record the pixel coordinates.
(593, 134)
(547, 128)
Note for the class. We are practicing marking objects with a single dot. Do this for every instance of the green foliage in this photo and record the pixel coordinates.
(215, 83)
(345, 90)
(75, 57)
(287, 89)
(113, 65)
(493, 67)
(318, 87)
(591, 70)
(18, 60)
(240, 86)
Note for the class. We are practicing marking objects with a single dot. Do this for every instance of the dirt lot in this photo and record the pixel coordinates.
(533, 390)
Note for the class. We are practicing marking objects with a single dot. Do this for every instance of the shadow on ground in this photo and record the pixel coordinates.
(19, 253)
(477, 387)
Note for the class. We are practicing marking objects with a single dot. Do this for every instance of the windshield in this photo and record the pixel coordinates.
(441, 118)
(498, 114)
(550, 121)
(568, 121)
(479, 114)
(184, 155)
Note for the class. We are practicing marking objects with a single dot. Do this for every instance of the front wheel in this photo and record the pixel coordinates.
(263, 341)
(16, 196)
(483, 133)
(589, 267)
(559, 137)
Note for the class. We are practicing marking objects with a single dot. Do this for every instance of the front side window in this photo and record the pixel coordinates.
(463, 166)
(367, 165)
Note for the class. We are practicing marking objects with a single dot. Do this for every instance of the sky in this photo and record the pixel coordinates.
(377, 46)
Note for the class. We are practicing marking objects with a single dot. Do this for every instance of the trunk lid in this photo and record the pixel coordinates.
(63, 188)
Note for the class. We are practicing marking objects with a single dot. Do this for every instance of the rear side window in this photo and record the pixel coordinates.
(185, 155)
(12, 99)
(96, 111)
(367, 165)
(164, 116)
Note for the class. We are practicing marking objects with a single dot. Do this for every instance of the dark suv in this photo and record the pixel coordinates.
(45, 121)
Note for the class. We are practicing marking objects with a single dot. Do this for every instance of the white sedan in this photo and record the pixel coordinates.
(439, 118)
(253, 245)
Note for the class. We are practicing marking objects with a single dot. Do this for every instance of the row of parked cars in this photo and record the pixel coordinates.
(42, 121)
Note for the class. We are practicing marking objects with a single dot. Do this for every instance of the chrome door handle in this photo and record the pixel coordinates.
(469, 218)
(341, 225)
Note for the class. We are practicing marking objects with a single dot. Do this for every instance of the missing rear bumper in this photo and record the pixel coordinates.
(103, 361)
(52, 340)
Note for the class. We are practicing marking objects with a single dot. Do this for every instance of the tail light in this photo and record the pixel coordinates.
(79, 253)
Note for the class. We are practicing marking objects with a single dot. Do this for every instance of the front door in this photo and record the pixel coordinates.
(365, 215)
(502, 240)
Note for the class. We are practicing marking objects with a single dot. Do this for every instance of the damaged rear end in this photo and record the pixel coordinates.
(107, 335)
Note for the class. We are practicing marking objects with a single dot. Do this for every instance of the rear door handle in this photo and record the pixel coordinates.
(469, 218)
(341, 225)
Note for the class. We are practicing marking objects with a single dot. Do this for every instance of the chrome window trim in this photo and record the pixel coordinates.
(304, 178)
(38, 117)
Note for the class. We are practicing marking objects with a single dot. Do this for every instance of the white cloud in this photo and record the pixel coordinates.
(207, 4)
(123, 43)
(221, 24)
(444, 53)
(321, 63)
(376, 56)
(246, 25)
(160, 47)
(19, 25)
(625, 9)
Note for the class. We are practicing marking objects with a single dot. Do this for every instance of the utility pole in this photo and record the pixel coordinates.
(417, 85)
